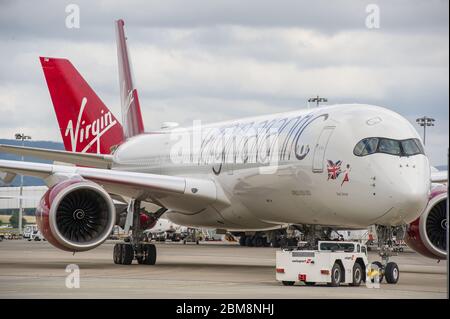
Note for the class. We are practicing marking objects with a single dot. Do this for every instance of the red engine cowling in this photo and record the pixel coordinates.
(427, 234)
(76, 215)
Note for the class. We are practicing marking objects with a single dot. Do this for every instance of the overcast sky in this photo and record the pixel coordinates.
(218, 60)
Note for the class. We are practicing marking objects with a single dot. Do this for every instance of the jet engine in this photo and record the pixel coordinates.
(76, 215)
(427, 234)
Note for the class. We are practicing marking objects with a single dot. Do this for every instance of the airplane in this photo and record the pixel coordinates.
(322, 169)
(165, 229)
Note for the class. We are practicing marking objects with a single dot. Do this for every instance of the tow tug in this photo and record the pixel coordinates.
(332, 262)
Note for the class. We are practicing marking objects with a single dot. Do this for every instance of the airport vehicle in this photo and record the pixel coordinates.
(36, 235)
(212, 235)
(320, 170)
(192, 235)
(10, 234)
(332, 262)
(29, 230)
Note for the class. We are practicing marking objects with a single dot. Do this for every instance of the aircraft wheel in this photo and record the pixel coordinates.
(258, 241)
(292, 242)
(242, 240)
(288, 283)
(357, 275)
(392, 273)
(150, 254)
(141, 258)
(275, 243)
(127, 255)
(249, 241)
(283, 242)
(117, 253)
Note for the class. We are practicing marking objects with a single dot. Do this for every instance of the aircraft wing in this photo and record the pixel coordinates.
(439, 176)
(182, 194)
(19, 197)
(83, 159)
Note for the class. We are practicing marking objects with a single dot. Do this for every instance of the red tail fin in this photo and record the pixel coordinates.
(131, 110)
(86, 124)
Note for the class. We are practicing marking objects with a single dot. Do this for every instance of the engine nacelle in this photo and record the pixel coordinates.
(427, 234)
(76, 215)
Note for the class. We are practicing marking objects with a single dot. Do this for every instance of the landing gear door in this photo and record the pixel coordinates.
(319, 149)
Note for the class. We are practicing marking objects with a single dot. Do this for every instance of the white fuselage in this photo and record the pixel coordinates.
(164, 225)
(311, 176)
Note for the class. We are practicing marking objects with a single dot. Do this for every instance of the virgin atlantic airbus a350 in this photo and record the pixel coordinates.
(317, 170)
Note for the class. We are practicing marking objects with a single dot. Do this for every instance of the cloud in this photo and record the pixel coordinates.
(19, 16)
(227, 59)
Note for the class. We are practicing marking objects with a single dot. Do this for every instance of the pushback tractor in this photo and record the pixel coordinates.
(333, 263)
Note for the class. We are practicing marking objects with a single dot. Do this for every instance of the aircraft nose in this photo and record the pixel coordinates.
(414, 197)
(413, 188)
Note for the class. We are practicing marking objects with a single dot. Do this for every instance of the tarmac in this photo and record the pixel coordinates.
(209, 270)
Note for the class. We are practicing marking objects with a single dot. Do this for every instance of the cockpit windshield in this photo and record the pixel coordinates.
(373, 145)
(389, 146)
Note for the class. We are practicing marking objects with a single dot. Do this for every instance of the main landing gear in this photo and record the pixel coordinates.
(136, 247)
(387, 270)
(124, 253)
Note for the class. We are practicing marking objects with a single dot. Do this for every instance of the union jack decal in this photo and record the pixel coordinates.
(334, 169)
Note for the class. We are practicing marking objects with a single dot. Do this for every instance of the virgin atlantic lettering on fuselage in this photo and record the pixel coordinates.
(251, 142)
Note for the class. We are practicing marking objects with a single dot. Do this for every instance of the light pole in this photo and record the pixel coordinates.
(317, 99)
(424, 122)
(22, 137)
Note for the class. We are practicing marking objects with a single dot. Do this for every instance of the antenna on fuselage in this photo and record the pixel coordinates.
(317, 99)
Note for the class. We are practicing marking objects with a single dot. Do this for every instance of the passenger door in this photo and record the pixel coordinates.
(319, 149)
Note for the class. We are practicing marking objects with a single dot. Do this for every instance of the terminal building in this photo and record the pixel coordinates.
(10, 199)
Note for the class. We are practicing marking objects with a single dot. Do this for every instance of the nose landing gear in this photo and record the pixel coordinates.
(388, 270)
(136, 247)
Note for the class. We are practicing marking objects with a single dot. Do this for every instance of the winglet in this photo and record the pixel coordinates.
(131, 110)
